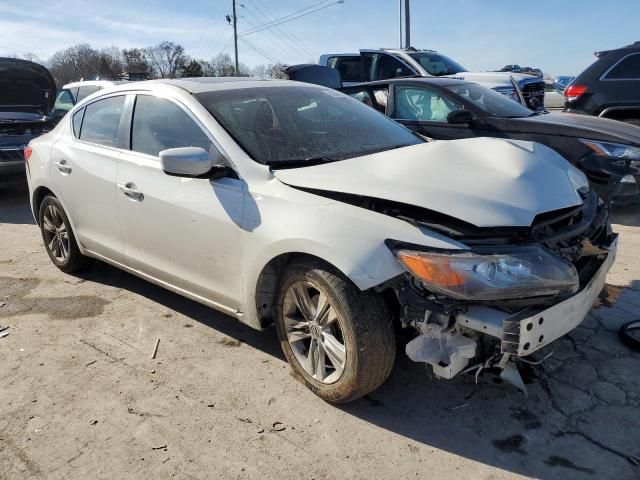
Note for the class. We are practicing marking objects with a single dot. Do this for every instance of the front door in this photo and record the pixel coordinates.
(424, 109)
(84, 171)
(182, 231)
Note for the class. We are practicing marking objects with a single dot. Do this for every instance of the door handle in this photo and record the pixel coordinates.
(130, 190)
(63, 167)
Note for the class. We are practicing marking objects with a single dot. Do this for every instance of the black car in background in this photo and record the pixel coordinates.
(27, 94)
(610, 87)
(445, 109)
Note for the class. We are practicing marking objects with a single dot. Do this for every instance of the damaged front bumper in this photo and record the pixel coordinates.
(448, 342)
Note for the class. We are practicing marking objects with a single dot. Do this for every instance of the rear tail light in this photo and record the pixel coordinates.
(27, 153)
(574, 92)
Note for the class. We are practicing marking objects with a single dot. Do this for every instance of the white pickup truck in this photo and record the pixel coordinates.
(385, 63)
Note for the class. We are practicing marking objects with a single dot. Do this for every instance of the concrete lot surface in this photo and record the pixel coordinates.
(80, 396)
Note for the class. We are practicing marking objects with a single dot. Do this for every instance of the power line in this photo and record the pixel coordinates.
(259, 50)
(290, 46)
(263, 10)
(286, 18)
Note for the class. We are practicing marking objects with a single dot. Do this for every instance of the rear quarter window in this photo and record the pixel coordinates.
(626, 69)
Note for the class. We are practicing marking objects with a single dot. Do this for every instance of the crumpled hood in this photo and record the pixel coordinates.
(483, 181)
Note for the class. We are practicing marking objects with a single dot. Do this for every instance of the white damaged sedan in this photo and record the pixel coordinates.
(289, 203)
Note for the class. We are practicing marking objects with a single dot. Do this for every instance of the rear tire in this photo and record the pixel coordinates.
(339, 341)
(57, 235)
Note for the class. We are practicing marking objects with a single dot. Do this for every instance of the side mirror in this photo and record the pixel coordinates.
(190, 162)
(460, 116)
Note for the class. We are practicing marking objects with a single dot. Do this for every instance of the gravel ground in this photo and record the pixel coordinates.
(80, 396)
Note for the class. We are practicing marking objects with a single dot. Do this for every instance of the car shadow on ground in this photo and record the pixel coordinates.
(105, 274)
(628, 215)
(14, 205)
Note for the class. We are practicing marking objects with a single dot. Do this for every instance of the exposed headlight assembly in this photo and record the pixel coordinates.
(515, 272)
(613, 150)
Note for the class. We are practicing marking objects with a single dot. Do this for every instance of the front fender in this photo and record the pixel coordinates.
(348, 237)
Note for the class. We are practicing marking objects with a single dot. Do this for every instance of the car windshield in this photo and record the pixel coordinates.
(288, 124)
(494, 103)
(436, 64)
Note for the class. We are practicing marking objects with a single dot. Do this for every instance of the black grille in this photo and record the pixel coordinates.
(533, 94)
(565, 231)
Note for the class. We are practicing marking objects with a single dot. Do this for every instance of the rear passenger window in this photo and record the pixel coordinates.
(77, 122)
(159, 124)
(627, 69)
(101, 121)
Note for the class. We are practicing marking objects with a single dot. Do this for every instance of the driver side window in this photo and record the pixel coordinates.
(423, 104)
(159, 124)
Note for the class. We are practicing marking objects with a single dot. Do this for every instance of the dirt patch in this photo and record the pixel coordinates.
(230, 342)
(556, 461)
(529, 420)
(512, 444)
(57, 308)
(16, 287)
(608, 296)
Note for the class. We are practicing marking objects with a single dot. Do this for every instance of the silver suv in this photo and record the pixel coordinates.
(386, 63)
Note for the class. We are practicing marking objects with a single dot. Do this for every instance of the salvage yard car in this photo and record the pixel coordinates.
(27, 93)
(74, 92)
(279, 201)
(607, 151)
(389, 63)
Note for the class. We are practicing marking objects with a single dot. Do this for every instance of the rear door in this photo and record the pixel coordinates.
(424, 108)
(84, 167)
(182, 231)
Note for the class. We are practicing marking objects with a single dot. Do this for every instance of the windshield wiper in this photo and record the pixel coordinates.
(300, 162)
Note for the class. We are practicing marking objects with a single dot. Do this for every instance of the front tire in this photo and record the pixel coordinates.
(339, 341)
(58, 237)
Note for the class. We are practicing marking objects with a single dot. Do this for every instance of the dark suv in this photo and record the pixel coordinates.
(610, 87)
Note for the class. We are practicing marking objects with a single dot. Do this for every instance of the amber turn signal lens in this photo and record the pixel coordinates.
(436, 271)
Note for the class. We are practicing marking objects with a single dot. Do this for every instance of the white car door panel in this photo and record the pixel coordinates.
(184, 231)
(85, 175)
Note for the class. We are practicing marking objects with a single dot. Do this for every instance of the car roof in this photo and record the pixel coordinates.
(440, 81)
(97, 83)
(209, 84)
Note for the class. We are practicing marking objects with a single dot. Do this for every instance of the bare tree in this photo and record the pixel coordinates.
(166, 59)
(273, 70)
(111, 63)
(135, 62)
(75, 63)
(192, 69)
(223, 66)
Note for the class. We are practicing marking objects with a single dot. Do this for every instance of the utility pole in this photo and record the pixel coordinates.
(235, 34)
(400, 20)
(407, 25)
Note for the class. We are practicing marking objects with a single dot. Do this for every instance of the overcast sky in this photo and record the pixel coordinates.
(559, 37)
